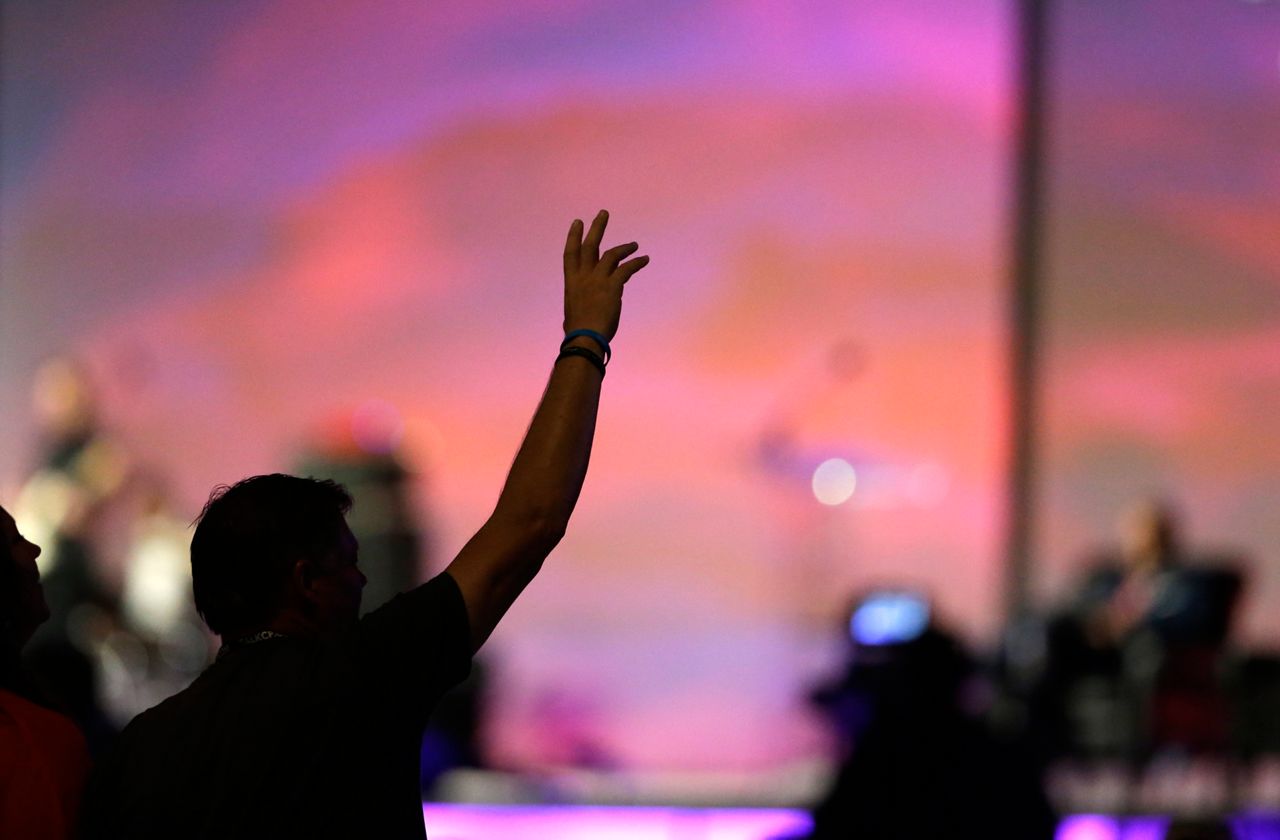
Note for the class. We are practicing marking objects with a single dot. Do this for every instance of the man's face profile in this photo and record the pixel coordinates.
(336, 583)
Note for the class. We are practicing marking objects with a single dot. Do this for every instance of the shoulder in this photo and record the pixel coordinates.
(436, 606)
(420, 640)
(156, 727)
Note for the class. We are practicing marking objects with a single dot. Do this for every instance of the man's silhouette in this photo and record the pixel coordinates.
(309, 722)
(43, 757)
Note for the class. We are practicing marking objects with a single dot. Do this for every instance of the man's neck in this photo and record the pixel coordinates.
(289, 623)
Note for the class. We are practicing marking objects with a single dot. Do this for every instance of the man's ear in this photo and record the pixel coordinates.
(303, 577)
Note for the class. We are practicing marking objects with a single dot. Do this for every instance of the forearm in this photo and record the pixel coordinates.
(547, 474)
(542, 487)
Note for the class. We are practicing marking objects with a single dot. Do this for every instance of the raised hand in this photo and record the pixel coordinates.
(593, 281)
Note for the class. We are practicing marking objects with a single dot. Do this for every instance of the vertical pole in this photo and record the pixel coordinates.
(1024, 323)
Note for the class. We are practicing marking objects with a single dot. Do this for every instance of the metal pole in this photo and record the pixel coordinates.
(1024, 322)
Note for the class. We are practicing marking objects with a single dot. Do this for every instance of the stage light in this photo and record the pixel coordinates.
(834, 481)
(567, 822)
(890, 618)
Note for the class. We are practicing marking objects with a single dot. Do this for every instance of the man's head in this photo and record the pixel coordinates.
(275, 546)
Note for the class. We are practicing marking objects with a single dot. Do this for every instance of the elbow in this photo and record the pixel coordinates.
(536, 531)
(545, 533)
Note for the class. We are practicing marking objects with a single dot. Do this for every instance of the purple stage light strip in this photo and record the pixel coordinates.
(566, 822)
(1096, 827)
(579, 822)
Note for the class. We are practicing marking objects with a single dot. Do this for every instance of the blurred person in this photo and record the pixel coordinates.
(1163, 621)
(1130, 668)
(1124, 591)
(43, 757)
(1153, 586)
(160, 643)
(360, 449)
(79, 473)
(919, 761)
(309, 721)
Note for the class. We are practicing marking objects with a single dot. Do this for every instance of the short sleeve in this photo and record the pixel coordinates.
(417, 646)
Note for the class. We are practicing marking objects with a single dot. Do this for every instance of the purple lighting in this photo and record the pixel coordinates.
(1096, 827)
(560, 822)
(582, 822)
(1258, 826)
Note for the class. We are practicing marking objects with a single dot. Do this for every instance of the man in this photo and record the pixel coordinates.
(43, 757)
(309, 722)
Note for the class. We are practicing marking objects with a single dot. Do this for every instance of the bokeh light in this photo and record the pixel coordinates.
(834, 481)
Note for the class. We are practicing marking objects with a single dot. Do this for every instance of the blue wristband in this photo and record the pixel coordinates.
(594, 336)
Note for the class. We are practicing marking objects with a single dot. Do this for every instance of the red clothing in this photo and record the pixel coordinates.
(43, 766)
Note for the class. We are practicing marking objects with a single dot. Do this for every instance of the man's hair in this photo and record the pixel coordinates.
(248, 538)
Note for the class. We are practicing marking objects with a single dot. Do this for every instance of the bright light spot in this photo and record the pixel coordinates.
(889, 618)
(834, 481)
(1088, 827)
(575, 822)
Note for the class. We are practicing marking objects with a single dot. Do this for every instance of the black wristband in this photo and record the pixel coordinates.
(594, 358)
(594, 336)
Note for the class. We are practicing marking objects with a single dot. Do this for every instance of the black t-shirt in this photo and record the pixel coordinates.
(293, 737)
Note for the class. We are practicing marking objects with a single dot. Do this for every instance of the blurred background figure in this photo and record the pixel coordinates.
(1133, 664)
(43, 757)
(918, 758)
(159, 644)
(361, 450)
(80, 472)
(1133, 691)
(1152, 587)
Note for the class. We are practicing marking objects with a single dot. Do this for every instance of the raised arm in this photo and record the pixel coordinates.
(542, 487)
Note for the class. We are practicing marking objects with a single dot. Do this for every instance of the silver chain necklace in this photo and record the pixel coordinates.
(243, 641)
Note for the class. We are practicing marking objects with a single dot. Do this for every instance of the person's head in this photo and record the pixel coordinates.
(1149, 532)
(22, 604)
(62, 398)
(273, 545)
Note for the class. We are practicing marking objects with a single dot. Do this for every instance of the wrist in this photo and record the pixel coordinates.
(596, 341)
(583, 342)
(569, 350)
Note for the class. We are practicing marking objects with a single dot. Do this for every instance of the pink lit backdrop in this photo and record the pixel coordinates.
(248, 216)
(251, 215)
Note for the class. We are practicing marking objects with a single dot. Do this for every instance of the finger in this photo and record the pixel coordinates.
(629, 268)
(573, 245)
(591, 245)
(610, 258)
